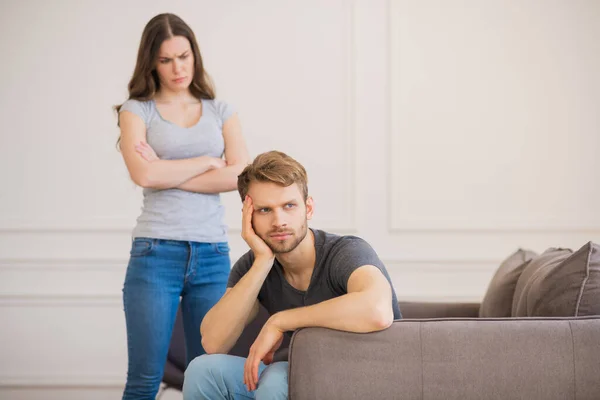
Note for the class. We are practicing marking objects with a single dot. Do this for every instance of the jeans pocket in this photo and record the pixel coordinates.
(221, 248)
(141, 247)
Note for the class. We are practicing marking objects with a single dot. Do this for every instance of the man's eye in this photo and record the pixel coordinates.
(289, 205)
(263, 210)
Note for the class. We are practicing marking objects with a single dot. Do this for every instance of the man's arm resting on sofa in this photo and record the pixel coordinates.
(367, 307)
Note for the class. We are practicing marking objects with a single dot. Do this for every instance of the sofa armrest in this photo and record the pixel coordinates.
(413, 309)
(452, 359)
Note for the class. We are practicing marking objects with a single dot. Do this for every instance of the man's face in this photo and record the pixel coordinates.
(280, 215)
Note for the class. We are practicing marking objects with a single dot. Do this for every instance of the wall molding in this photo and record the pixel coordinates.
(61, 300)
(496, 228)
(115, 225)
(109, 226)
(77, 301)
(63, 264)
(61, 381)
(351, 119)
(119, 264)
(87, 301)
(428, 266)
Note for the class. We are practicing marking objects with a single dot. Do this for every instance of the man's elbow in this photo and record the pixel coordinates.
(383, 317)
(212, 347)
(208, 346)
(211, 344)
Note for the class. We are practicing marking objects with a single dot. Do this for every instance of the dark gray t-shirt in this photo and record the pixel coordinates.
(337, 257)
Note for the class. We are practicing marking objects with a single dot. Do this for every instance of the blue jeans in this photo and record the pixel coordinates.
(159, 273)
(221, 376)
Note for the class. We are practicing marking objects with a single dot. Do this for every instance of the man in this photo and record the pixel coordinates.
(303, 277)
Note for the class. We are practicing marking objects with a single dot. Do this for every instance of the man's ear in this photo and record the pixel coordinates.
(310, 207)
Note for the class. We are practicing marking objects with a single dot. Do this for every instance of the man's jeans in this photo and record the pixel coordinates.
(159, 273)
(221, 376)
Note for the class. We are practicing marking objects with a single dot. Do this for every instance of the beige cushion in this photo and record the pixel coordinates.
(498, 299)
(568, 287)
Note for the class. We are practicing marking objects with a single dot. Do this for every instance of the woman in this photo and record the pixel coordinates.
(173, 136)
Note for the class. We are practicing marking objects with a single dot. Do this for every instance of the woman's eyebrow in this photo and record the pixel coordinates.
(168, 58)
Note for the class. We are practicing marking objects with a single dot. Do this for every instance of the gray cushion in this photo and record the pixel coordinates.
(569, 288)
(498, 298)
(547, 259)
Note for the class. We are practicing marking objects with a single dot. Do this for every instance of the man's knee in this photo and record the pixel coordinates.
(205, 365)
(204, 375)
(273, 383)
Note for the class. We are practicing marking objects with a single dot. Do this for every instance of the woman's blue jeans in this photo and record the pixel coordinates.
(160, 272)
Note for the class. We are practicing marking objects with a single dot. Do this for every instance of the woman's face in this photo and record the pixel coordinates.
(175, 64)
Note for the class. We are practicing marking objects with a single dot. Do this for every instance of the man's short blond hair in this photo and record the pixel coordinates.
(273, 166)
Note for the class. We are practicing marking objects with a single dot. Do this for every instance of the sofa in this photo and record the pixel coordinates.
(535, 335)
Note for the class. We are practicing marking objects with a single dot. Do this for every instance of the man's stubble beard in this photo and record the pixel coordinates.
(296, 239)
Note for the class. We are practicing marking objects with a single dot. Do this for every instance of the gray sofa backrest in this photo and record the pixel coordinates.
(458, 359)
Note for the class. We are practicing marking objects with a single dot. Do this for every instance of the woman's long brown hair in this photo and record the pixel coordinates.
(145, 83)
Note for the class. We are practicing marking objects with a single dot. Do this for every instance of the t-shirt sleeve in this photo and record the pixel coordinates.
(224, 110)
(349, 254)
(137, 107)
(240, 268)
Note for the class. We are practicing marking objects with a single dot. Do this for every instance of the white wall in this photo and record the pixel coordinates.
(446, 133)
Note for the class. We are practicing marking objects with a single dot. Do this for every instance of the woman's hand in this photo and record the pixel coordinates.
(216, 163)
(146, 152)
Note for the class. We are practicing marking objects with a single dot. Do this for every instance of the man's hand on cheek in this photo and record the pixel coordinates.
(264, 347)
(257, 245)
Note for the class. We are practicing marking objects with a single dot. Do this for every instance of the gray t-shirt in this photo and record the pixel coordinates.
(337, 257)
(173, 213)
